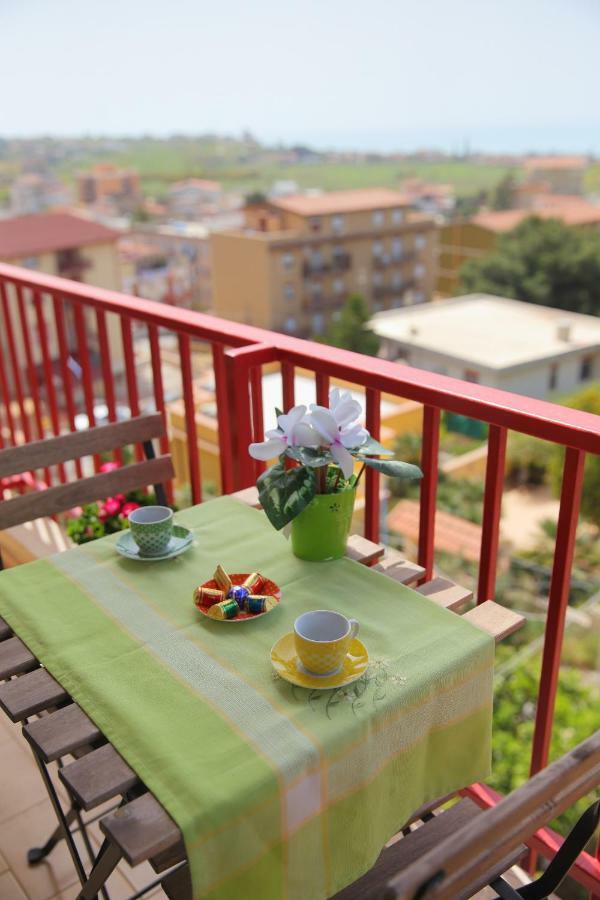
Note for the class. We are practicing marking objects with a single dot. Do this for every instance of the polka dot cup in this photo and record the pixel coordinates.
(151, 528)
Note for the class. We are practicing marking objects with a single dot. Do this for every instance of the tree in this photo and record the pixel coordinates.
(255, 198)
(501, 197)
(587, 400)
(541, 261)
(350, 331)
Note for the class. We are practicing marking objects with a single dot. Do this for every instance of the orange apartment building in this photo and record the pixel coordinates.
(107, 183)
(296, 261)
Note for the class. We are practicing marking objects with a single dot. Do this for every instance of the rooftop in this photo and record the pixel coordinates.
(47, 232)
(341, 201)
(553, 163)
(571, 212)
(490, 332)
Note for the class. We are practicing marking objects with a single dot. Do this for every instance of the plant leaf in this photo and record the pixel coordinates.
(394, 468)
(284, 493)
(371, 447)
(310, 456)
(278, 413)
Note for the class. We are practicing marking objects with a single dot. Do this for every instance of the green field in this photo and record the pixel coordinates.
(245, 167)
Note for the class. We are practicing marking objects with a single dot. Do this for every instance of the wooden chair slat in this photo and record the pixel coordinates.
(15, 658)
(396, 857)
(249, 496)
(177, 885)
(391, 557)
(141, 829)
(101, 438)
(5, 630)
(406, 573)
(63, 731)
(495, 619)
(98, 776)
(363, 551)
(168, 858)
(29, 694)
(62, 497)
(446, 593)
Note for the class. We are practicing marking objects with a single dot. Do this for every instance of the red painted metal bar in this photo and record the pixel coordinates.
(16, 368)
(31, 373)
(429, 464)
(159, 394)
(258, 427)
(48, 374)
(107, 374)
(223, 420)
(492, 508)
(64, 354)
(132, 389)
(546, 842)
(190, 417)
(4, 389)
(570, 499)
(86, 370)
(322, 385)
(287, 386)
(372, 478)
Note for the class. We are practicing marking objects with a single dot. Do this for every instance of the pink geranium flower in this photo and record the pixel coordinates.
(112, 506)
(129, 508)
(109, 466)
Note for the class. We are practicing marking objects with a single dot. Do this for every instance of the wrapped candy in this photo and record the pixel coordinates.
(226, 609)
(258, 604)
(222, 578)
(254, 583)
(208, 596)
(239, 593)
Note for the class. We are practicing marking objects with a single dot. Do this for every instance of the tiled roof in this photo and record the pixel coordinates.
(452, 534)
(341, 201)
(553, 163)
(578, 212)
(47, 232)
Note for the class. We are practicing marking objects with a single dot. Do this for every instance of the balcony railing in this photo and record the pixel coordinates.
(47, 324)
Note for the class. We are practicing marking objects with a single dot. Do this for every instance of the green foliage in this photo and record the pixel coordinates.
(393, 468)
(575, 718)
(284, 493)
(528, 459)
(255, 198)
(350, 331)
(587, 400)
(501, 197)
(541, 261)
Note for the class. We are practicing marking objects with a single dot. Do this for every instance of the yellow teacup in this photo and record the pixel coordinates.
(322, 640)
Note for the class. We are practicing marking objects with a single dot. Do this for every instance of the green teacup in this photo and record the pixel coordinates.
(151, 528)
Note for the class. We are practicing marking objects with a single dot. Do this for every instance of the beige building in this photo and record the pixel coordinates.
(298, 258)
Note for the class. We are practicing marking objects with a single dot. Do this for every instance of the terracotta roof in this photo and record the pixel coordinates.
(553, 163)
(202, 183)
(341, 201)
(30, 235)
(452, 534)
(578, 212)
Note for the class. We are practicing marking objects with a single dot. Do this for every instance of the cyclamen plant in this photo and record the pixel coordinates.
(324, 445)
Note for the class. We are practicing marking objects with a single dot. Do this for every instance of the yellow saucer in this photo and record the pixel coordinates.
(285, 662)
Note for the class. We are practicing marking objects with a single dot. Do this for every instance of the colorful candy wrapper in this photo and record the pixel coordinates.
(238, 593)
(208, 596)
(226, 609)
(258, 604)
(254, 583)
(222, 578)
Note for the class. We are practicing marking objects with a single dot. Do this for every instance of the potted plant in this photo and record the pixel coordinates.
(313, 484)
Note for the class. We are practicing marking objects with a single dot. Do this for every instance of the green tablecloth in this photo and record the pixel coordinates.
(279, 793)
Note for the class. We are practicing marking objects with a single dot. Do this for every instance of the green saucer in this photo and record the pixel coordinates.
(180, 540)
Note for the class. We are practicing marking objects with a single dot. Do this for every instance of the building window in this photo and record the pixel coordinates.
(316, 288)
(378, 218)
(287, 261)
(338, 286)
(377, 248)
(337, 224)
(419, 270)
(318, 323)
(290, 324)
(397, 280)
(289, 292)
(471, 375)
(314, 223)
(553, 378)
(585, 370)
(397, 216)
(397, 248)
(420, 242)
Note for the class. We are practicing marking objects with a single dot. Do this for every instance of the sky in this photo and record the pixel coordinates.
(492, 75)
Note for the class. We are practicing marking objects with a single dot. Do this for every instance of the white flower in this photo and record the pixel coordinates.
(340, 437)
(294, 431)
(344, 408)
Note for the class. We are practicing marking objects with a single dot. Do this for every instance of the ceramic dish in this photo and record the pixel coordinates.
(287, 665)
(181, 539)
(270, 588)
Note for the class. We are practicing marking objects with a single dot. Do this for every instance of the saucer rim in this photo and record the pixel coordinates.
(316, 686)
(185, 539)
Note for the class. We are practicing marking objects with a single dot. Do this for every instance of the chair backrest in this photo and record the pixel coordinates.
(101, 439)
(448, 871)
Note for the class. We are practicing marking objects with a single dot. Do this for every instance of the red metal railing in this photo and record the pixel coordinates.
(47, 325)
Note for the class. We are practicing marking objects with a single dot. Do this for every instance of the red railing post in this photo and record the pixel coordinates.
(322, 388)
(63, 353)
(159, 396)
(258, 428)
(223, 419)
(492, 507)
(48, 373)
(429, 464)
(288, 388)
(372, 478)
(190, 418)
(16, 369)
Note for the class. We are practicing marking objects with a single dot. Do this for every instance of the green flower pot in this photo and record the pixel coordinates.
(321, 530)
